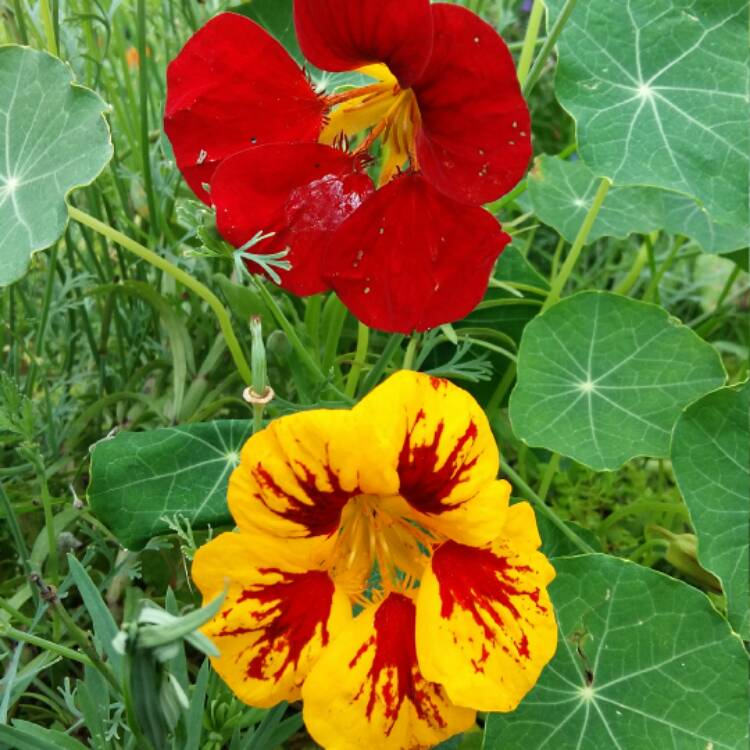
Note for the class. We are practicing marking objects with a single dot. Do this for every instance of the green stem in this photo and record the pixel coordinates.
(288, 329)
(502, 388)
(20, 21)
(335, 326)
(43, 319)
(558, 283)
(652, 291)
(143, 108)
(549, 473)
(529, 41)
(632, 276)
(363, 341)
(640, 507)
(18, 540)
(7, 631)
(411, 351)
(373, 376)
(49, 27)
(184, 278)
(549, 43)
(82, 639)
(545, 510)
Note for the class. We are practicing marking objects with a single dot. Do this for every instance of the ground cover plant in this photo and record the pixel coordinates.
(374, 374)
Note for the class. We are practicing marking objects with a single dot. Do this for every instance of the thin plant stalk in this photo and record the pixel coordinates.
(360, 355)
(547, 47)
(544, 509)
(178, 274)
(529, 41)
(558, 283)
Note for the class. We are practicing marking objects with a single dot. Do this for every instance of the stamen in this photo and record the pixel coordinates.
(345, 96)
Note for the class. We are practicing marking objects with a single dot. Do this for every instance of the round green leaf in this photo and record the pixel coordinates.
(53, 138)
(643, 662)
(140, 481)
(682, 215)
(710, 460)
(658, 89)
(602, 379)
(562, 191)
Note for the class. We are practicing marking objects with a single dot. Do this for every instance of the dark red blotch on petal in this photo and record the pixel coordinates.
(233, 86)
(346, 34)
(424, 484)
(301, 602)
(395, 664)
(320, 516)
(302, 192)
(411, 258)
(474, 144)
(477, 580)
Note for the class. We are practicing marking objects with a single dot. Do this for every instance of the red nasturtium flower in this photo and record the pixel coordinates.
(254, 139)
(379, 572)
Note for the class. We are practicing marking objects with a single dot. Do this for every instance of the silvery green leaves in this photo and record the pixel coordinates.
(561, 193)
(603, 378)
(147, 483)
(53, 138)
(710, 459)
(658, 89)
(643, 663)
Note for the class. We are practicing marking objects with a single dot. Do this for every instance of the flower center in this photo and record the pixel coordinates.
(378, 549)
(389, 112)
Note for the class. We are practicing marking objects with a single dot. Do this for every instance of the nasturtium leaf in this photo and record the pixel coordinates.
(142, 480)
(562, 192)
(513, 268)
(710, 460)
(658, 89)
(643, 662)
(53, 138)
(682, 215)
(603, 378)
(276, 17)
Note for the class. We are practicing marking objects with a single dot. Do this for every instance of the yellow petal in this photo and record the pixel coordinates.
(485, 624)
(296, 476)
(362, 112)
(366, 690)
(275, 620)
(440, 443)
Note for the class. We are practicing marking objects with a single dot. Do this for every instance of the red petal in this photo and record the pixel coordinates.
(347, 34)
(231, 86)
(410, 258)
(474, 144)
(301, 191)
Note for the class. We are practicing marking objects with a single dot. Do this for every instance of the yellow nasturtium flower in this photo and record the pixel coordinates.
(379, 572)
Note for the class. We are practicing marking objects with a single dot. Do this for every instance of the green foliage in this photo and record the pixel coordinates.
(54, 138)
(140, 482)
(602, 379)
(658, 90)
(710, 458)
(643, 661)
(96, 342)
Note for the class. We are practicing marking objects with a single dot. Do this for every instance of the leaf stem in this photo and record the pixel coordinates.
(49, 27)
(652, 291)
(8, 631)
(178, 274)
(632, 276)
(529, 41)
(549, 43)
(545, 510)
(411, 351)
(363, 341)
(558, 283)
